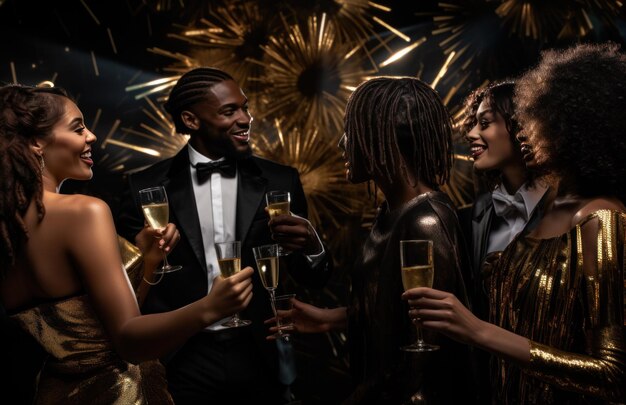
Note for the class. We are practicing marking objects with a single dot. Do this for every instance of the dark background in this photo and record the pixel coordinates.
(59, 40)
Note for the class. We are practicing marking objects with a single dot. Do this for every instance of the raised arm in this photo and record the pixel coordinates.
(93, 245)
(602, 370)
(311, 262)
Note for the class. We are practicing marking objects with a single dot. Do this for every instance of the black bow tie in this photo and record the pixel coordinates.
(227, 168)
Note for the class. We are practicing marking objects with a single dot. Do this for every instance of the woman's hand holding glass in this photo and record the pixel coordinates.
(154, 243)
(230, 295)
(308, 318)
(442, 312)
(229, 261)
(155, 208)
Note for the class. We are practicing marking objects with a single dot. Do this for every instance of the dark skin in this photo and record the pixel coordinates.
(310, 319)
(220, 127)
(442, 311)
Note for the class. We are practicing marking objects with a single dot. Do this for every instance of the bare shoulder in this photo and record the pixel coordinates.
(597, 204)
(79, 207)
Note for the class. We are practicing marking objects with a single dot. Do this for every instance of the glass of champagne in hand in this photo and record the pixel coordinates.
(229, 260)
(156, 211)
(266, 257)
(418, 270)
(278, 203)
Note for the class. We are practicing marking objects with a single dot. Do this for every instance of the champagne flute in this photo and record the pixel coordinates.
(418, 270)
(229, 260)
(278, 203)
(156, 211)
(266, 257)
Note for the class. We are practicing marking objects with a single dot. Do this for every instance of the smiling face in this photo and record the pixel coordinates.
(220, 122)
(68, 154)
(490, 141)
(533, 146)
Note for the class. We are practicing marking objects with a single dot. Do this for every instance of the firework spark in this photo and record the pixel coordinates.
(537, 19)
(309, 76)
(321, 169)
(229, 38)
(353, 20)
(156, 137)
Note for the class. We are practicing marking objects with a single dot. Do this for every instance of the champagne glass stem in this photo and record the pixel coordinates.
(273, 303)
(166, 265)
(420, 337)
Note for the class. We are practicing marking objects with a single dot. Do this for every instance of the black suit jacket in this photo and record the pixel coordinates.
(256, 177)
(476, 222)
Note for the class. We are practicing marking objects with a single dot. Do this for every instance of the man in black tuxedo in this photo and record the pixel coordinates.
(216, 190)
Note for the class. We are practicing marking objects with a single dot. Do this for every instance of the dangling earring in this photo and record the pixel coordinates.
(42, 163)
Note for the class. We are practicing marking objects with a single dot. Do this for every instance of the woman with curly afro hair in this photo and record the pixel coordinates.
(556, 295)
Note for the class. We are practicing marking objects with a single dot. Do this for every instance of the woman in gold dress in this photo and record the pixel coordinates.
(62, 276)
(556, 294)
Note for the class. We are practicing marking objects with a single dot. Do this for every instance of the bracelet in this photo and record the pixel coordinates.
(156, 282)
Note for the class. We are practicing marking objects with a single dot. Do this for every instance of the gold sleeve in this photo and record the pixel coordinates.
(601, 370)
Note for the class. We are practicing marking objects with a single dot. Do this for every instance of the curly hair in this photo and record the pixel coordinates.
(401, 119)
(577, 96)
(27, 114)
(500, 97)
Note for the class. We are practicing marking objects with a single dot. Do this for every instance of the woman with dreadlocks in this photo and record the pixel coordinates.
(61, 274)
(398, 134)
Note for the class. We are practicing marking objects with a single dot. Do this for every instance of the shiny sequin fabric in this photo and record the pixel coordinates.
(82, 367)
(566, 295)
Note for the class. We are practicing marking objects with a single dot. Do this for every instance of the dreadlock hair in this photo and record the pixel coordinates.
(400, 125)
(27, 114)
(500, 98)
(191, 88)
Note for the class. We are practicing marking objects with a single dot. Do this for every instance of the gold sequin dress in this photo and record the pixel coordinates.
(572, 314)
(82, 366)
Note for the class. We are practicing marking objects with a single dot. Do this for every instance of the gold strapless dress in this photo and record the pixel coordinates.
(82, 366)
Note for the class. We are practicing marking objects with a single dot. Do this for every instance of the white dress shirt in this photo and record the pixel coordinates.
(211, 197)
(512, 213)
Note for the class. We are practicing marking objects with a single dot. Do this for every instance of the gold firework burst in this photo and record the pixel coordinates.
(321, 169)
(579, 18)
(230, 38)
(354, 20)
(309, 75)
(469, 29)
(156, 138)
(537, 19)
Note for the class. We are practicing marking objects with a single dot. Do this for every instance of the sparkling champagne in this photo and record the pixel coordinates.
(279, 208)
(156, 214)
(268, 270)
(417, 276)
(229, 266)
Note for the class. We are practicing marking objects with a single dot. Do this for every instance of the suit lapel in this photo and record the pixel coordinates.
(183, 204)
(481, 224)
(251, 188)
